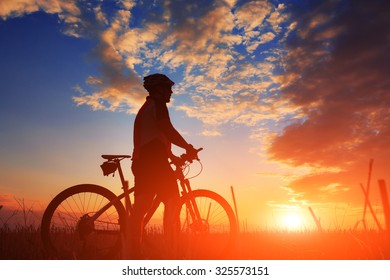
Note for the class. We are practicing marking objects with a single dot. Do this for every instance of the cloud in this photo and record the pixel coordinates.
(252, 14)
(204, 41)
(212, 133)
(117, 87)
(337, 73)
(16, 8)
(67, 10)
(219, 75)
(200, 39)
(211, 44)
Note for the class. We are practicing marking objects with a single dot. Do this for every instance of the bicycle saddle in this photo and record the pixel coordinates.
(113, 157)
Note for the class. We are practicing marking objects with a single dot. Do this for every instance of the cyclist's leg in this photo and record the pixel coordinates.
(142, 202)
(143, 198)
(171, 217)
(171, 199)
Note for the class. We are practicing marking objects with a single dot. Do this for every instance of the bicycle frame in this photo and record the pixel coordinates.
(185, 189)
(86, 209)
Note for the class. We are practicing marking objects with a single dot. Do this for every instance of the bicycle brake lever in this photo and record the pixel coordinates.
(197, 151)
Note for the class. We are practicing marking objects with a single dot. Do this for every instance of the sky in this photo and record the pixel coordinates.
(289, 99)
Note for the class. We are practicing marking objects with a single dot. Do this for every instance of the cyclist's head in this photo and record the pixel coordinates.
(155, 81)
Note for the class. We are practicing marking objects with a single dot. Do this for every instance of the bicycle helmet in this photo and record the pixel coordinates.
(157, 79)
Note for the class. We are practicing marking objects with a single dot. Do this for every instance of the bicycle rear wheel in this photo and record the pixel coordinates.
(213, 235)
(69, 232)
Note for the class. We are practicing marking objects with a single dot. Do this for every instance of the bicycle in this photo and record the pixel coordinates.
(89, 221)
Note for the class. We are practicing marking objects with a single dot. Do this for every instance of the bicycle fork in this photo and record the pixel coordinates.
(192, 207)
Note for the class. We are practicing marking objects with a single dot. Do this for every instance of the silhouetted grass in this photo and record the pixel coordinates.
(23, 243)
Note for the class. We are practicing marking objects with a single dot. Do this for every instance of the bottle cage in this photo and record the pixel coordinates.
(108, 167)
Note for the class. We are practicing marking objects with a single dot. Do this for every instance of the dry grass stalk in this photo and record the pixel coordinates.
(316, 220)
(385, 202)
(368, 204)
(367, 191)
(235, 208)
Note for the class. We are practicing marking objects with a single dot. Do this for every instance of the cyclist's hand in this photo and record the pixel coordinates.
(178, 161)
(191, 153)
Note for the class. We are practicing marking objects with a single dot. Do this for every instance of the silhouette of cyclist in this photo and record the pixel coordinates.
(153, 175)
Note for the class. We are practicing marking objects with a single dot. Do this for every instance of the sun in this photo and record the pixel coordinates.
(292, 221)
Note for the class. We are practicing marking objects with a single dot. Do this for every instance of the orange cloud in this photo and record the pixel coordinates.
(339, 80)
(68, 11)
(202, 40)
(252, 14)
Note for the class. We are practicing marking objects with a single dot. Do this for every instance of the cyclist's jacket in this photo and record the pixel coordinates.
(149, 139)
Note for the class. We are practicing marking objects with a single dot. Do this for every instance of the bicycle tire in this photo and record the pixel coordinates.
(215, 236)
(67, 233)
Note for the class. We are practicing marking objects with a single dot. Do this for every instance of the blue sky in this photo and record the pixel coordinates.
(287, 98)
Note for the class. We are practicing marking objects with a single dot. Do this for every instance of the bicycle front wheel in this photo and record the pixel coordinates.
(69, 230)
(208, 226)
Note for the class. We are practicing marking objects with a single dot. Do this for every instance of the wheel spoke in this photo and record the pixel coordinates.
(69, 232)
(213, 235)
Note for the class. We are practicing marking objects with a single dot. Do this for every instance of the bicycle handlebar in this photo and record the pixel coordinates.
(189, 158)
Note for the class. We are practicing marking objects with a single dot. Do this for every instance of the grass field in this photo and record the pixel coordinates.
(23, 243)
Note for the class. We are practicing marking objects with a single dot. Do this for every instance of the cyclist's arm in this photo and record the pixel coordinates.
(172, 134)
(166, 127)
